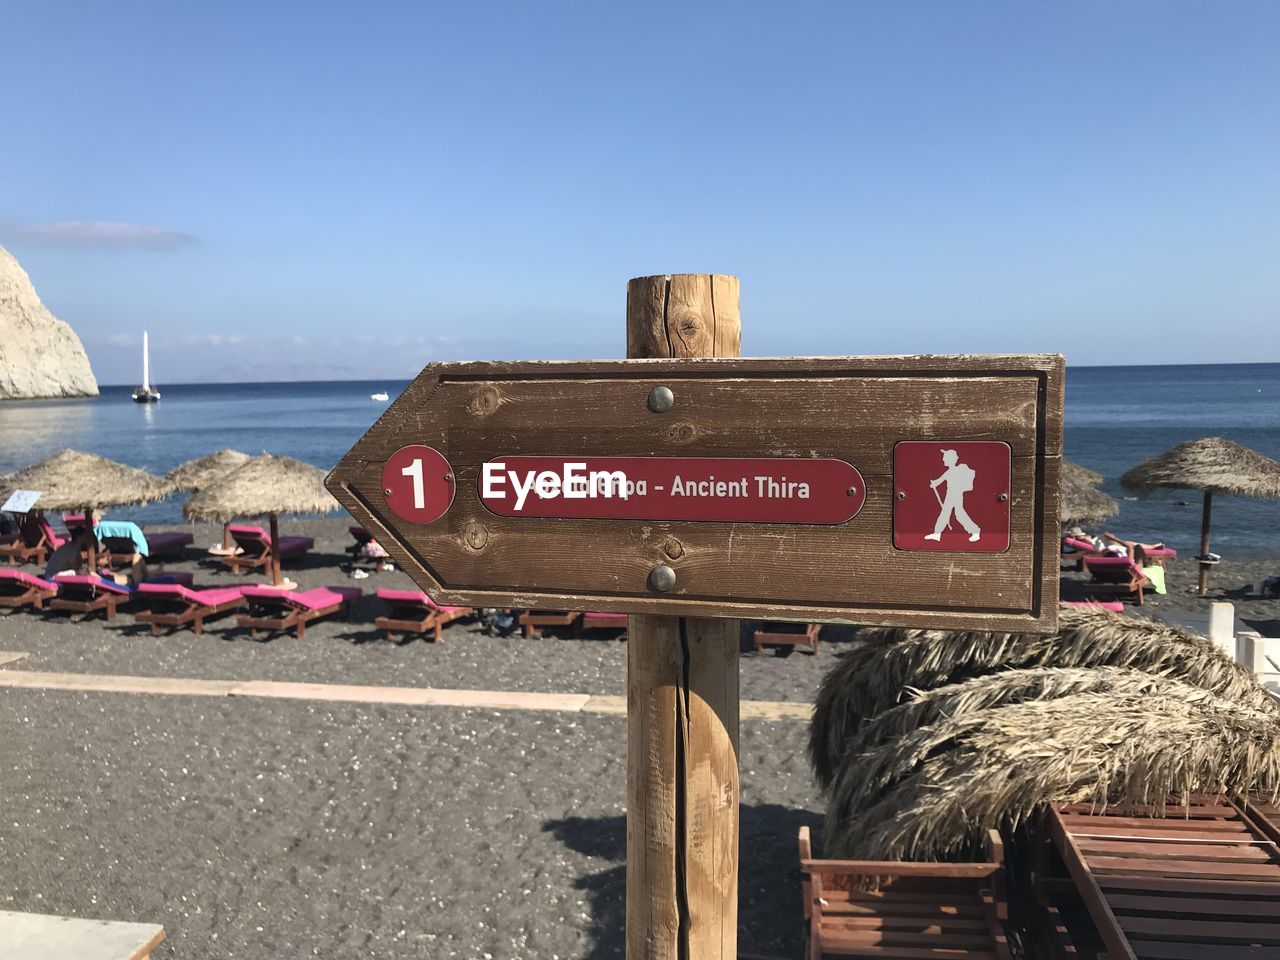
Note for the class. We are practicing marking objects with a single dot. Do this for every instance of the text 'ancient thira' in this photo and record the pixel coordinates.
(742, 490)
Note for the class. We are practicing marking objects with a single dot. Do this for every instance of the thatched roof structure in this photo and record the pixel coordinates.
(71, 480)
(1211, 464)
(203, 471)
(1074, 473)
(1080, 500)
(262, 486)
(892, 665)
(931, 793)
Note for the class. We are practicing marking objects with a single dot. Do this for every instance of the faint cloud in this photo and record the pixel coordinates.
(102, 235)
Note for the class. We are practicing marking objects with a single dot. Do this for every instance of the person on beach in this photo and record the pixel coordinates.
(1151, 570)
(959, 478)
(1121, 547)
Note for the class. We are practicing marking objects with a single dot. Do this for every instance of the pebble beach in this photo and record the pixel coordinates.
(266, 827)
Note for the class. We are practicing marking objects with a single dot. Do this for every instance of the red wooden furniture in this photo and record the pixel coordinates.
(869, 908)
(789, 634)
(276, 610)
(18, 589)
(257, 548)
(1197, 881)
(1114, 577)
(413, 613)
(176, 605)
(535, 621)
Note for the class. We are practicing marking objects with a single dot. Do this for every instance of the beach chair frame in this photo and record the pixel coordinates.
(80, 596)
(32, 544)
(533, 622)
(430, 625)
(806, 638)
(258, 549)
(286, 616)
(176, 611)
(1197, 880)
(877, 908)
(1114, 581)
(27, 594)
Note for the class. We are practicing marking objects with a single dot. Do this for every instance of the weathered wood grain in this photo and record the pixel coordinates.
(682, 700)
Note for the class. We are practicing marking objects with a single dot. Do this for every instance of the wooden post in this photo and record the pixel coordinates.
(276, 578)
(682, 695)
(91, 544)
(1204, 543)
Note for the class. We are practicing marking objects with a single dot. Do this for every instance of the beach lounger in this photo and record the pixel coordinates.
(256, 546)
(533, 622)
(87, 594)
(176, 605)
(1114, 577)
(789, 634)
(276, 610)
(1194, 881)
(602, 621)
(866, 908)
(1111, 606)
(18, 589)
(1073, 548)
(413, 612)
(34, 542)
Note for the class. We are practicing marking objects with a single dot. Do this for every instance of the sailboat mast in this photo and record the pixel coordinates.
(146, 363)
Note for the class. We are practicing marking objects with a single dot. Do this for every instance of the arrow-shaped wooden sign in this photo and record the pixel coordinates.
(891, 490)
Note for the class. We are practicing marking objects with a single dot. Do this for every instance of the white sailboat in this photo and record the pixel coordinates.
(145, 393)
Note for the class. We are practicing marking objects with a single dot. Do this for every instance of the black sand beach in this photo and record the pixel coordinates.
(254, 828)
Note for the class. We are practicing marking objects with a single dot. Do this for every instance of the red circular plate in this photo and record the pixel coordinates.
(418, 484)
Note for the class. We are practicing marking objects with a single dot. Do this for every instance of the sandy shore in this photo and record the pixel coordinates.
(255, 828)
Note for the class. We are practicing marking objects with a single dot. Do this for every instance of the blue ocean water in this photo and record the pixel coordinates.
(1116, 418)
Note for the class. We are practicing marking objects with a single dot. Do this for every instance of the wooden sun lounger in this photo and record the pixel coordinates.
(278, 611)
(87, 594)
(914, 911)
(18, 589)
(34, 542)
(602, 621)
(414, 613)
(533, 622)
(1114, 577)
(257, 548)
(788, 634)
(175, 605)
(1201, 881)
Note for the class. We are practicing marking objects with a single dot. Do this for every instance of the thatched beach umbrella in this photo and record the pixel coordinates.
(203, 471)
(892, 666)
(71, 480)
(1080, 500)
(264, 486)
(1212, 465)
(928, 794)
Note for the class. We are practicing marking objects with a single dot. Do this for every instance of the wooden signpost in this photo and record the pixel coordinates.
(686, 486)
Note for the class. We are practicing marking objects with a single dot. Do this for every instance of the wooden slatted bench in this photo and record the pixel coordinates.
(35, 936)
(1199, 882)
(913, 911)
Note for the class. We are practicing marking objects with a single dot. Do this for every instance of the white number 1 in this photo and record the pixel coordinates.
(419, 494)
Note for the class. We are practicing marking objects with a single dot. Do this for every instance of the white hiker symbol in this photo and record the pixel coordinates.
(959, 479)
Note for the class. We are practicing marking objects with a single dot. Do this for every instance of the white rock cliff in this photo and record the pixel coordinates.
(40, 356)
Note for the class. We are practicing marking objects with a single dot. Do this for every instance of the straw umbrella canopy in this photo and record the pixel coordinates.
(1080, 499)
(203, 471)
(71, 480)
(264, 486)
(1211, 465)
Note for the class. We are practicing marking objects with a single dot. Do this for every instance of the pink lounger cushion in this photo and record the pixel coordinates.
(86, 580)
(1114, 606)
(287, 544)
(411, 597)
(160, 542)
(27, 579)
(202, 598)
(315, 599)
(606, 616)
(1084, 546)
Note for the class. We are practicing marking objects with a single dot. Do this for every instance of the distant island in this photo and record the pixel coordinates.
(40, 356)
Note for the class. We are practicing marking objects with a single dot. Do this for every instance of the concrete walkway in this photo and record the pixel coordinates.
(352, 693)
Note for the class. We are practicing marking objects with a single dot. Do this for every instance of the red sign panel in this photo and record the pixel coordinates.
(418, 484)
(731, 489)
(951, 495)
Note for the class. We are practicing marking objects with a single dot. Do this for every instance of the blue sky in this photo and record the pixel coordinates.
(351, 190)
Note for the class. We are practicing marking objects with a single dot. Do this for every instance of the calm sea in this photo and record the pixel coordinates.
(1116, 417)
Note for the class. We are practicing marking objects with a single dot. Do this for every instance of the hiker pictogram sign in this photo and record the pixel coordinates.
(896, 490)
(952, 495)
